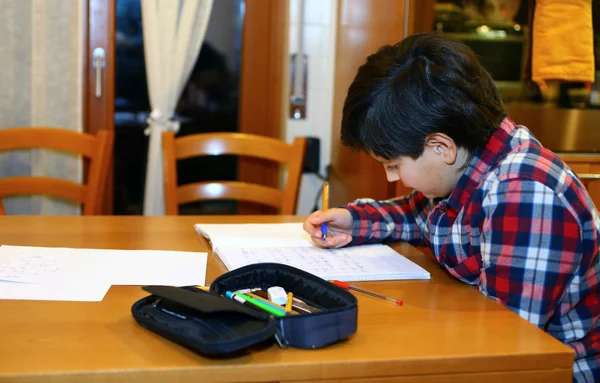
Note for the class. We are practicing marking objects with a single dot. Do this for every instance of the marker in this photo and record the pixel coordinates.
(347, 286)
(243, 298)
(324, 207)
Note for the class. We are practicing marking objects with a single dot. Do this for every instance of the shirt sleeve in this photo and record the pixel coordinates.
(402, 218)
(530, 248)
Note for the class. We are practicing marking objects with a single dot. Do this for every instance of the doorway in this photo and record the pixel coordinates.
(210, 103)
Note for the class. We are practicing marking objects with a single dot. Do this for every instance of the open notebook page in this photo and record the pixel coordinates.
(255, 235)
(360, 263)
(239, 245)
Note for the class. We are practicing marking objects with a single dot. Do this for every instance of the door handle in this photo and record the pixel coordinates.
(98, 63)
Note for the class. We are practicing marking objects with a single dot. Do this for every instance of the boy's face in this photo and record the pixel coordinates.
(435, 173)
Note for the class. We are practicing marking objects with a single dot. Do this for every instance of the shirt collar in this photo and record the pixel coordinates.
(481, 163)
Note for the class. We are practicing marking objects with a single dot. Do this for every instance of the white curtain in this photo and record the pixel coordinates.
(173, 34)
(41, 63)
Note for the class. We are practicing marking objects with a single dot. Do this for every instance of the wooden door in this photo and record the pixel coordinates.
(262, 87)
(99, 82)
(363, 27)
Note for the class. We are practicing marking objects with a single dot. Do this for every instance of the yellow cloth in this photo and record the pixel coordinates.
(563, 42)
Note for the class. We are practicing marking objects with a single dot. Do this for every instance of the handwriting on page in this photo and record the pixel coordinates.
(120, 267)
(28, 268)
(314, 260)
(355, 263)
(239, 245)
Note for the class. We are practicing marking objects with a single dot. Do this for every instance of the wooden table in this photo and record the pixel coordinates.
(446, 331)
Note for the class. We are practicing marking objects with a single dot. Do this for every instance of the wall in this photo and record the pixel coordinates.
(41, 77)
(320, 18)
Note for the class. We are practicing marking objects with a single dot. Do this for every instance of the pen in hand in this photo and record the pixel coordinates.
(324, 207)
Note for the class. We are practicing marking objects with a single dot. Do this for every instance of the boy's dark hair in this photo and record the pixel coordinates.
(426, 83)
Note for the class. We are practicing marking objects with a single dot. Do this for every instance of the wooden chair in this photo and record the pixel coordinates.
(97, 149)
(207, 144)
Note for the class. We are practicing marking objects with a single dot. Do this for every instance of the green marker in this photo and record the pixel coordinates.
(243, 298)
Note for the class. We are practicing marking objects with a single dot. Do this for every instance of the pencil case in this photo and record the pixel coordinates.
(214, 325)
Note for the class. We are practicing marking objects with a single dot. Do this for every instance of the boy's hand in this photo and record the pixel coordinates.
(339, 227)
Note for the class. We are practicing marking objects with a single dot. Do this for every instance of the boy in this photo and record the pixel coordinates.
(497, 209)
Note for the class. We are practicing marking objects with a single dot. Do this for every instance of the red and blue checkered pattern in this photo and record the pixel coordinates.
(521, 227)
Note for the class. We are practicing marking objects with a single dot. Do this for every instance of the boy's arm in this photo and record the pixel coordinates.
(401, 218)
(530, 248)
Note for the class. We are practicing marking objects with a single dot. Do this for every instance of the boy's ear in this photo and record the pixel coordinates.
(443, 145)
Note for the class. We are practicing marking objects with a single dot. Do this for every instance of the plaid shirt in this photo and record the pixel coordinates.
(521, 227)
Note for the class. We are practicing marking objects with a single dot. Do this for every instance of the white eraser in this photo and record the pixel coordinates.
(277, 295)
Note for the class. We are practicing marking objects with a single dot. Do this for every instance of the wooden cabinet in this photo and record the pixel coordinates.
(363, 27)
(587, 168)
(573, 134)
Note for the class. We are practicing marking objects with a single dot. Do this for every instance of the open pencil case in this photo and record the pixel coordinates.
(213, 325)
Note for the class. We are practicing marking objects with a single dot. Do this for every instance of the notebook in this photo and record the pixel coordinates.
(239, 245)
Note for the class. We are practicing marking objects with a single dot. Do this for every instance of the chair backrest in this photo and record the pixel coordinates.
(210, 144)
(97, 149)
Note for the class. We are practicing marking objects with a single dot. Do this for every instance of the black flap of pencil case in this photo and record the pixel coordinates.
(211, 324)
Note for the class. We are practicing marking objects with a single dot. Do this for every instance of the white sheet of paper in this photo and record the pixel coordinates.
(85, 292)
(255, 235)
(156, 267)
(116, 267)
(368, 262)
(48, 265)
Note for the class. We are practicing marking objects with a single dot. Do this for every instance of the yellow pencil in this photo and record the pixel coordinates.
(324, 207)
(288, 306)
(270, 302)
